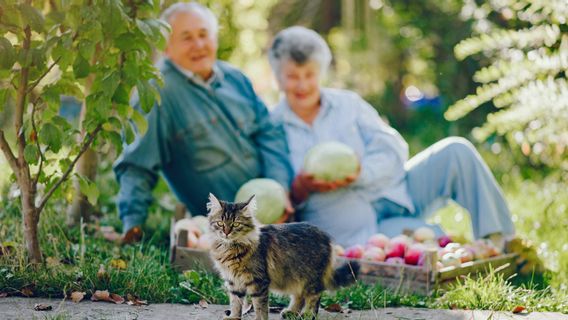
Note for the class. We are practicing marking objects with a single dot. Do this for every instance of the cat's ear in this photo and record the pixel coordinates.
(250, 205)
(213, 205)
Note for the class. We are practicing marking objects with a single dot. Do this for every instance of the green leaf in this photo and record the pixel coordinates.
(31, 153)
(51, 135)
(141, 123)
(121, 95)
(89, 189)
(7, 54)
(113, 17)
(110, 83)
(32, 17)
(86, 49)
(80, 67)
(146, 95)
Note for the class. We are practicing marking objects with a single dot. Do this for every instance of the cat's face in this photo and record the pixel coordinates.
(231, 220)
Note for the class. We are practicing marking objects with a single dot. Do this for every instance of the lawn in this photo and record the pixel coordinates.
(80, 259)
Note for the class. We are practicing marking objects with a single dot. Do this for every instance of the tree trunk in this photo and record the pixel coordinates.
(31, 221)
(87, 167)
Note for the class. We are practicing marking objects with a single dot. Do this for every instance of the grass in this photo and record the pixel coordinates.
(74, 259)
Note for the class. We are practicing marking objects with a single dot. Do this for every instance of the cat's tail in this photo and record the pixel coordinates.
(344, 275)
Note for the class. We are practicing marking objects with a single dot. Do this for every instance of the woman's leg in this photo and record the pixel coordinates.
(452, 169)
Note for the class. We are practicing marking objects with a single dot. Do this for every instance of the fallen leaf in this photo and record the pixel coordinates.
(77, 296)
(116, 298)
(334, 307)
(203, 304)
(118, 264)
(42, 307)
(3, 294)
(27, 291)
(102, 274)
(519, 309)
(100, 295)
(133, 300)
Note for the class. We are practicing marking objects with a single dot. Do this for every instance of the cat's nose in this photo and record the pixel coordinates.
(226, 230)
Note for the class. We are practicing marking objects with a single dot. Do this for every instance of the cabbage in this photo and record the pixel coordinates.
(331, 161)
(270, 198)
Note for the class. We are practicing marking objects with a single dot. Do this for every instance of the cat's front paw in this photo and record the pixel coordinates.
(289, 314)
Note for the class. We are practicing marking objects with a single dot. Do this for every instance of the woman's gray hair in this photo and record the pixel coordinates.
(300, 45)
(192, 7)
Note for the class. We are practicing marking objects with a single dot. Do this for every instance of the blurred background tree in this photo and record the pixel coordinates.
(525, 44)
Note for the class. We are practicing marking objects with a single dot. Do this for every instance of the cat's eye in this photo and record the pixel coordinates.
(236, 224)
(219, 223)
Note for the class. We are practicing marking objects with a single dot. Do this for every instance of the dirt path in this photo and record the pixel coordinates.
(23, 308)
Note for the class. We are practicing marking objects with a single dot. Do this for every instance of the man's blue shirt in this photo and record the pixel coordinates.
(203, 139)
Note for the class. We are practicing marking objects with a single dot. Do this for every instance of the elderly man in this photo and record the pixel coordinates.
(211, 132)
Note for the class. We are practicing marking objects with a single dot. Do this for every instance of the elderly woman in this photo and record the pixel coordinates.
(391, 192)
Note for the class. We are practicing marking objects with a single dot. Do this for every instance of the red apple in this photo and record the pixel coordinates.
(374, 254)
(414, 254)
(378, 240)
(396, 249)
(354, 252)
(444, 240)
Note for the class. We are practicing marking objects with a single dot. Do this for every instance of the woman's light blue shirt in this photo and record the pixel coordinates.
(347, 214)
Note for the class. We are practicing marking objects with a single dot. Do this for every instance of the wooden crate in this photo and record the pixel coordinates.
(401, 278)
(426, 279)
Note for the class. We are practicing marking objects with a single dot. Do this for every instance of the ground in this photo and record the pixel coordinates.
(23, 308)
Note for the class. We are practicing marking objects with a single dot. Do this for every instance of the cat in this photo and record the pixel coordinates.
(294, 259)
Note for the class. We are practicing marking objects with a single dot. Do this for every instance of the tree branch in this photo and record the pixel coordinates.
(21, 101)
(86, 145)
(12, 161)
(33, 85)
(41, 156)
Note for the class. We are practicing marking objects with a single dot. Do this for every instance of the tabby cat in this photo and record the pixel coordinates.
(294, 259)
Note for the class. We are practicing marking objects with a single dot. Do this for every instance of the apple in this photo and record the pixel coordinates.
(187, 224)
(402, 238)
(378, 240)
(464, 254)
(374, 254)
(354, 252)
(444, 240)
(451, 259)
(453, 246)
(192, 240)
(424, 234)
(396, 249)
(338, 250)
(414, 254)
(202, 223)
(395, 260)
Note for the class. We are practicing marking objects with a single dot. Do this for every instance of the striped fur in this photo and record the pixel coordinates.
(294, 259)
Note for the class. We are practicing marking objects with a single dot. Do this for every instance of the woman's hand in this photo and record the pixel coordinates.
(305, 183)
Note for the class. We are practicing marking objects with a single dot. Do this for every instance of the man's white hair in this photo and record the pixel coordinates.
(191, 7)
(299, 45)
